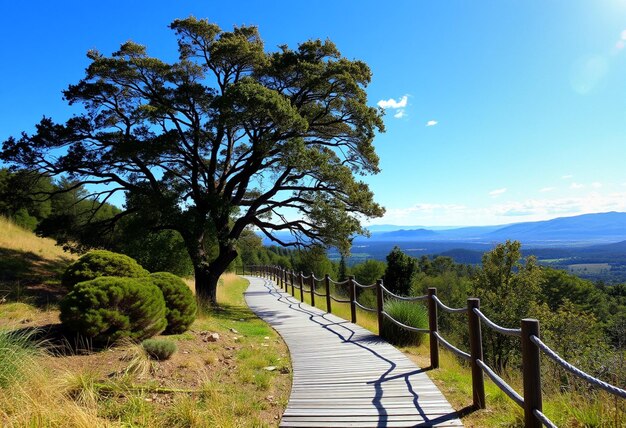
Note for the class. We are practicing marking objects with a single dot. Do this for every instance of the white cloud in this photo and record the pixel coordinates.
(575, 185)
(431, 123)
(596, 185)
(497, 192)
(399, 114)
(392, 103)
(547, 189)
(506, 212)
(567, 177)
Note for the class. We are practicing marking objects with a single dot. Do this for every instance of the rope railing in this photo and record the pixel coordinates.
(339, 282)
(317, 293)
(448, 308)
(503, 330)
(405, 298)
(339, 300)
(454, 349)
(365, 308)
(407, 327)
(576, 371)
(531, 344)
(505, 387)
(364, 286)
(544, 419)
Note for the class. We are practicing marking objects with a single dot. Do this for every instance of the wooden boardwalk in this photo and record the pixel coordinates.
(343, 375)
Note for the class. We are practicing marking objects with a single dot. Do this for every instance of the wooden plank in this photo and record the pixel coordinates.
(343, 375)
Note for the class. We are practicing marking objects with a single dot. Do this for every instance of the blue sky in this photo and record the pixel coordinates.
(497, 111)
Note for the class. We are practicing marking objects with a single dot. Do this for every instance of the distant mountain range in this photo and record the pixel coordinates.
(578, 230)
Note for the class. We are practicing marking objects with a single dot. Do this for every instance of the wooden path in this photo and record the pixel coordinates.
(343, 375)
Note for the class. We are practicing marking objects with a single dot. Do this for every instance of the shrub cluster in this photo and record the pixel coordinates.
(159, 349)
(179, 301)
(101, 263)
(107, 309)
(112, 297)
(408, 313)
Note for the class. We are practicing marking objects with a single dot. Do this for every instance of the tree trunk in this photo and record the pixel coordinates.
(207, 276)
(206, 285)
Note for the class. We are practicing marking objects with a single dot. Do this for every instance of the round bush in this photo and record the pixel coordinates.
(180, 302)
(413, 314)
(101, 263)
(159, 349)
(107, 309)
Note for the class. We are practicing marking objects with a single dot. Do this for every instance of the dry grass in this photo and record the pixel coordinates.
(204, 384)
(19, 239)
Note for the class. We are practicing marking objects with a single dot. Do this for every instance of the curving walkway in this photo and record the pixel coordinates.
(344, 375)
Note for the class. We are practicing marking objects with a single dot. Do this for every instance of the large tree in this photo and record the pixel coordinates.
(226, 138)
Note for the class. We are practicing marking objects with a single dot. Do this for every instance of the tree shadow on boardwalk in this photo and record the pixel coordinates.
(347, 333)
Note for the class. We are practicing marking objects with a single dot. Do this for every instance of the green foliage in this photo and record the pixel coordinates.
(577, 337)
(17, 350)
(23, 197)
(99, 263)
(107, 309)
(558, 286)
(78, 220)
(400, 272)
(369, 271)
(507, 287)
(313, 260)
(161, 251)
(179, 301)
(159, 349)
(343, 272)
(413, 314)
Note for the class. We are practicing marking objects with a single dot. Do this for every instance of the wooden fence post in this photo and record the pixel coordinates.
(327, 284)
(312, 289)
(532, 373)
(301, 286)
(352, 298)
(293, 279)
(433, 327)
(476, 353)
(379, 305)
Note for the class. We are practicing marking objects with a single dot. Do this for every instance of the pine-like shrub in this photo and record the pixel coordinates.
(413, 314)
(159, 349)
(99, 263)
(180, 302)
(107, 309)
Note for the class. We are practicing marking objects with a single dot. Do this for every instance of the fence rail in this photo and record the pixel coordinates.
(531, 344)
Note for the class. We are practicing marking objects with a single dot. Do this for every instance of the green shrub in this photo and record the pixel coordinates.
(101, 263)
(107, 309)
(180, 302)
(413, 314)
(159, 349)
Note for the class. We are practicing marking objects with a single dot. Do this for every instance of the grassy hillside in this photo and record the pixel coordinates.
(30, 266)
(242, 379)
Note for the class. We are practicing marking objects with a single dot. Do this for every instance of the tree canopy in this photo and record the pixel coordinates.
(226, 138)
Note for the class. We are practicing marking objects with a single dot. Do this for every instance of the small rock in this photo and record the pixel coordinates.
(213, 337)
(266, 338)
(265, 345)
(232, 330)
(185, 352)
(241, 319)
(269, 368)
